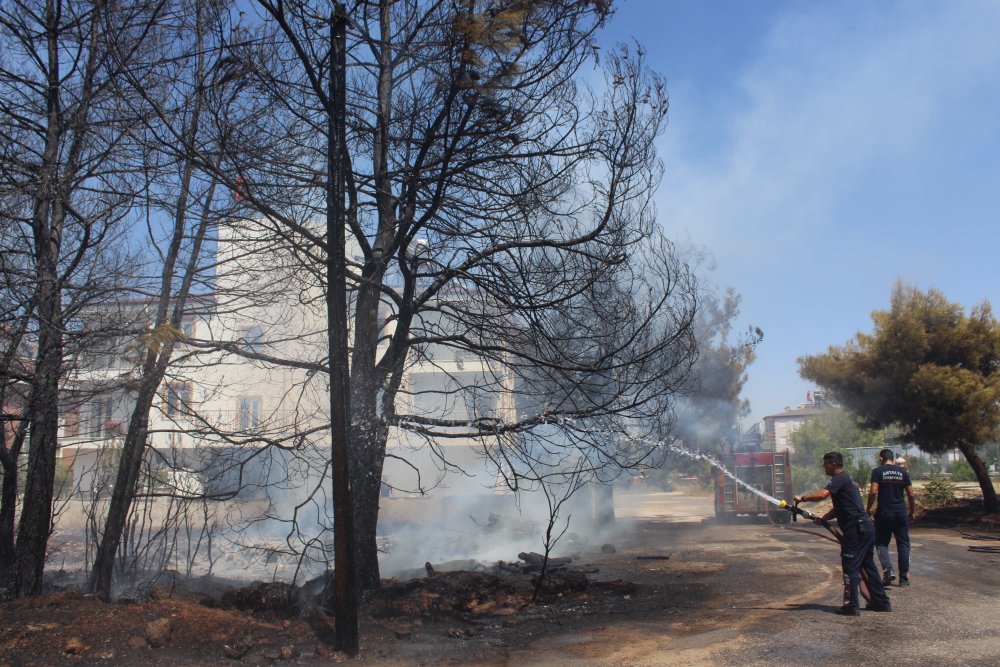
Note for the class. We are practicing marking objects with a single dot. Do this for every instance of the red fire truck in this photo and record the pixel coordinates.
(769, 472)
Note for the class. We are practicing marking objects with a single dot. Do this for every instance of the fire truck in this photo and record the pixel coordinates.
(769, 472)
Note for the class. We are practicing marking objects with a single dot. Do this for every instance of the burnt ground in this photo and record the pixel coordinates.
(679, 589)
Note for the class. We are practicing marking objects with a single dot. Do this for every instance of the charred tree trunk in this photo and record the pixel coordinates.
(370, 431)
(12, 437)
(990, 502)
(8, 499)
(345, 588)
(57, 177)
(124, 490)
(36, 515)
(369, 436)
(168, 321)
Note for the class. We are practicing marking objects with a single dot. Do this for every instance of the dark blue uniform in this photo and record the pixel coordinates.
(891, 517)
(857, 544)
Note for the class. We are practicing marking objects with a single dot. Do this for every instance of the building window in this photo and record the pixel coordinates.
(455, 396)
(252, 338)
(187, 326)
(249, 412)
(71, 422)
(104, 355)
(100, 416)
(479, 401)
(178, 398)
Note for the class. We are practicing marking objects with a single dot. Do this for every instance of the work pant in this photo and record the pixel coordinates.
(887, 526)
(857, 552)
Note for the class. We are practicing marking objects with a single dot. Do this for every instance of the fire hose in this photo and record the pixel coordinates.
(838, 536)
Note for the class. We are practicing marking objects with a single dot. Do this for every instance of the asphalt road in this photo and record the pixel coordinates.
(950, 615)
(773, 596)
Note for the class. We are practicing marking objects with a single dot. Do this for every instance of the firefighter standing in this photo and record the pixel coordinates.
(858, 541)
(888, 483)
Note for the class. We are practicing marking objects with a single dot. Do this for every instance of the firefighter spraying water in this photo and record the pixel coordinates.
(852, 533)
(856, 537)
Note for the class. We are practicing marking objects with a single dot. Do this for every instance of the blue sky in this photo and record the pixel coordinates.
(822, 150)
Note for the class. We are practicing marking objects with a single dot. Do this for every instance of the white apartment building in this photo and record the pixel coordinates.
(229, 420)
(778, 428)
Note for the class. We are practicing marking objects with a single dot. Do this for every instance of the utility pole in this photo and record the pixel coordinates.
(345, 589)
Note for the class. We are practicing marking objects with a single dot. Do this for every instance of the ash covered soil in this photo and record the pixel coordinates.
(670, 587)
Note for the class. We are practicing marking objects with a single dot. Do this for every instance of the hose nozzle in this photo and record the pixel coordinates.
(794, 509)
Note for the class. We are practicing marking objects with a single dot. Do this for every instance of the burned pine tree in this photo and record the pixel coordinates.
(175, 93)
(488, 189)
(15, 376)
(63, 133)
